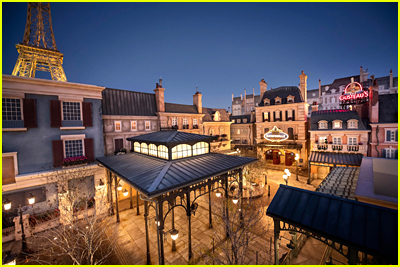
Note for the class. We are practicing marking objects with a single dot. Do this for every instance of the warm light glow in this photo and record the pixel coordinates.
(235, 200)
(174, 234)
(125, 193)
(285, 176)
(218, 194)
(276, 135)
(157, 222)
(31, 199)
(286, 170)
(119, 187)
(7, 204)
(363, 94)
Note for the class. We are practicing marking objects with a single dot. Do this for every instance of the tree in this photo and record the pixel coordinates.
(84, 233)
(234, 236)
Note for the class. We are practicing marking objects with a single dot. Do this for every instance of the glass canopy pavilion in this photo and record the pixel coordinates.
(171, 168)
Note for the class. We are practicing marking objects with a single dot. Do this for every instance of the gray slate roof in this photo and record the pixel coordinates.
(241, 117)
(171, 138)
(372, 229)
(180, 108)
(388, 108)
(209, 114)
(335, 114)
(153, 176)
(282, 92)
(336, 158)
(129, 103)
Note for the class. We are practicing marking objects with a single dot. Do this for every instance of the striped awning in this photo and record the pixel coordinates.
(348, 159)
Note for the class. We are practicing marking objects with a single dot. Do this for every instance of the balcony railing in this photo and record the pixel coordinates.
(339, 148)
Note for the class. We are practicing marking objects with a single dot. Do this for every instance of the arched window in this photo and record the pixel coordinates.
(144, 149)
(181, 151)
(136, 147)
(162, 152)
(153, 150)
(200, 148)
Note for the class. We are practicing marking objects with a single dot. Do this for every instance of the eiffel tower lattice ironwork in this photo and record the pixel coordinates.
(38, 50)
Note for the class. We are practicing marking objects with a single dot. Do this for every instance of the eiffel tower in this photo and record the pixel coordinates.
(38, 50)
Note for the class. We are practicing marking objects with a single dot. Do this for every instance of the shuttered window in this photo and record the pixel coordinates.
(8, 170)
(118, 144)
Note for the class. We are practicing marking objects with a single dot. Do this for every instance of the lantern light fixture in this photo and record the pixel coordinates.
(174, 234)
(125, 193)
(119, 187)
(7, 204)
(31, 199)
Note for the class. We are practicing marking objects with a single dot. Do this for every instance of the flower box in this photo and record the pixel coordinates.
(195, 126)
(360, 144)
(72, 161)
(290, 118)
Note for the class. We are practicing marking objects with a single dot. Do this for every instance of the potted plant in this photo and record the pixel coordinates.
(360, 144)
(330, 142)
(290, 118)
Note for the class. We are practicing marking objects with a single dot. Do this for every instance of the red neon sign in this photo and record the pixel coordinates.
(364, 94)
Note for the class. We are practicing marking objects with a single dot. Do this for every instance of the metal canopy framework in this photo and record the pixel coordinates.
(154, 176)
(176, 183)
(337, 222)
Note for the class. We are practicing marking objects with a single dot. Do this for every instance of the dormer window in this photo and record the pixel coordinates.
(326, 88)
(290, 99)
(322, 125)
(333, 91)
(244, 120)
(337, 124)
(352, 124)
(239, 120)
(217, 116)
(266, 101)
(278, 100)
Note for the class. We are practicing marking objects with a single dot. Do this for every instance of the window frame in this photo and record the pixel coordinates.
(21, 100)
(352, 121)
(195, 123)
(174, 119)
(352, 138)
(335, 139)
(392, 131)
(389, 151)
(145, 125)
(115, 126)
(134, 129)
(337, 127)
(278, 100)
(71, 101)
(74, 137)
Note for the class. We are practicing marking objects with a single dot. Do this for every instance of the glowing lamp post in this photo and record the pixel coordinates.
(7, 206)
(297, 166)
(235, 200)
(285, 177)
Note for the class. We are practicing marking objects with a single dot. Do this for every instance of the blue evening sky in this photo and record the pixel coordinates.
(220, 47)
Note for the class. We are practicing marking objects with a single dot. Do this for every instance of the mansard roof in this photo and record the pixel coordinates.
(282, 92)
(171, 138)
(209, 114)
(335, 114)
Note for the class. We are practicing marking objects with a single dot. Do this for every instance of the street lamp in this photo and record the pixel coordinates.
(174, 236)
(235, 200)
(285, 177)
(7, 206)
(297, 166)
(119, 187)
(218, 193)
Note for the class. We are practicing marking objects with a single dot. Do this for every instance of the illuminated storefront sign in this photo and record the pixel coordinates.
(276, 135)
(354, 92)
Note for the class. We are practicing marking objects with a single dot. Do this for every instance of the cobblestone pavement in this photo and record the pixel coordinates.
(132, 241)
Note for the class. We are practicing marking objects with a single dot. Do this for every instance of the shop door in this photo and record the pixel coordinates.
(268, 155)
(276, 158)
(289, 158)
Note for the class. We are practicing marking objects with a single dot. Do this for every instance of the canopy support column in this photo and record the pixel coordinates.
(226, 204)
(173, 225)
(109, 181)
(209, 208)
(276, 240)
(160, 232)
(189, 215)
(241, 197)
(116, 197)
(146, 214)
(137, 203)
(130, 197)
